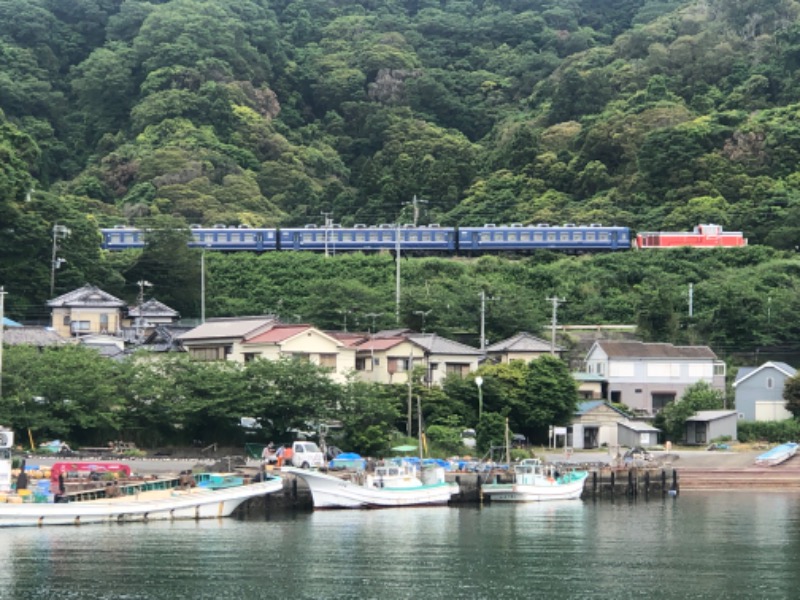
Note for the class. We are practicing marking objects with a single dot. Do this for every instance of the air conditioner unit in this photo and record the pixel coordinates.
(6, 439)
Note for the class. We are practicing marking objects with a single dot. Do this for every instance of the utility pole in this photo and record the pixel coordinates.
(415, 204)
(203, 285)
(142, 283)
(556, 301)
(483, 321)
(2, 329)
(373, 316)
(410, 383)
(397, 276)
(328, 222)
(691, 300)
(59, 232)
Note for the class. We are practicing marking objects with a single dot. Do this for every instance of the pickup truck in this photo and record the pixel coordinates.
(305, 455)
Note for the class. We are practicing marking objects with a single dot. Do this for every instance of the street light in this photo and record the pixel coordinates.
(423, 314)
(479, 383)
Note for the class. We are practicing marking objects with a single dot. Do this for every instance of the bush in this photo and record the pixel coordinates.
(774, 432)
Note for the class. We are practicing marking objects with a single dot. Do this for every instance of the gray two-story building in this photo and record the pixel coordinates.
(759, 392)
(648, 376)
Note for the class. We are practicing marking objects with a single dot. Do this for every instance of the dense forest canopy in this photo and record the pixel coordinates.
(654, 114)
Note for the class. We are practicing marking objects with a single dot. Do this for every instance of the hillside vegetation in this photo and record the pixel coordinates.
(646, 113)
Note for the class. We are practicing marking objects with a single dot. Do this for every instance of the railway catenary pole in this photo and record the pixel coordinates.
(397, 275)
(556, 301)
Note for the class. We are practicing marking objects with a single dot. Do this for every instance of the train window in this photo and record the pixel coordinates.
(426, 237)
(308, 237)
(590, 236)
(551, 237)
(346, 236)
(537, 237)
(360, 237)
(603, 237)
(525, 236)
(486, 236)
(511, 236)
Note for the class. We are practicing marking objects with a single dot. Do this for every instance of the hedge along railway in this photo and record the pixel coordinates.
(433, 238)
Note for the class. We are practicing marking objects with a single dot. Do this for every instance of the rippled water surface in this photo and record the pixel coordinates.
(742, 545)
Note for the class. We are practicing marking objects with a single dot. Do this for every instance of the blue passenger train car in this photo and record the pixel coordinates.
(366, 239)
(521, 238)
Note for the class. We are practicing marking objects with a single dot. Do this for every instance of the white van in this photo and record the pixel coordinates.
(306, 455)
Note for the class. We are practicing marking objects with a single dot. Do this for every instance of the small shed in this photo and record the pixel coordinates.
(707, 425)
(595, 424)
(637, 433)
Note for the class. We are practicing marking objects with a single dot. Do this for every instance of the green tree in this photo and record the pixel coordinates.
(700, 396)
(791, 393)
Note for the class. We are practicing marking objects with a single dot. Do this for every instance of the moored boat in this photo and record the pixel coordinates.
(194, 503)
(536, 482)
(777, 455)
(394, 484)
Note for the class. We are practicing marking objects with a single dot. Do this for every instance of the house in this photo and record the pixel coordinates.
(301, 342)
(86, 310)
(759, 392)
(387, 359)
(443, 357)
(214, 339)
(595, 424)
(707, 425)
(637, 433)
(648, 376)
(590, 386)
(522, 346)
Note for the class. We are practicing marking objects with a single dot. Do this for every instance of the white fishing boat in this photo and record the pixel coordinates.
(161, 505)
(536, 482)
(777, 455)
(394, 484)
(150, 505)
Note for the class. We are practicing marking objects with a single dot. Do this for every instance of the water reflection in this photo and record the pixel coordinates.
(696, 546)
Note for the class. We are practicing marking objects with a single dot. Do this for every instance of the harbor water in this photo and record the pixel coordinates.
(711, 545)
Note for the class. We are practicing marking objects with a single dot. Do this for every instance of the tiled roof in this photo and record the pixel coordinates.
(225, 328)
(391, 333)
(32, 336)
(349, 339)
(381, 343)
(436, 344)
(278, 333)
(616, 349)
(522, 342)
(88, 295)
(153, 308)
(710, 415)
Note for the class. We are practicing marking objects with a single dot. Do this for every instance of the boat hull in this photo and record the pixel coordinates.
(777, 455)
(515, 492)
(193, 504)
(332, 492)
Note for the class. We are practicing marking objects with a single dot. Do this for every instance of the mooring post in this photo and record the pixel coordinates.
(675, 486)
(594, 483)
(631, 486)
(613, 484)
(647, 483)
(663, 482)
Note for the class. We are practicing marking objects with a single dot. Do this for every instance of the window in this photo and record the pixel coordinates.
(207, 354)
(327, 360)
(80, 326)
(460, 369)
(719, 369)
(300, 356)
(104, 323)
(398, 365)
(66, 321)
(660, 400)
(251, 356)
(363, 364)
(770, 383)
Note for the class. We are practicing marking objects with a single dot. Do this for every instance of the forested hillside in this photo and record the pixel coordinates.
(646, 113)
